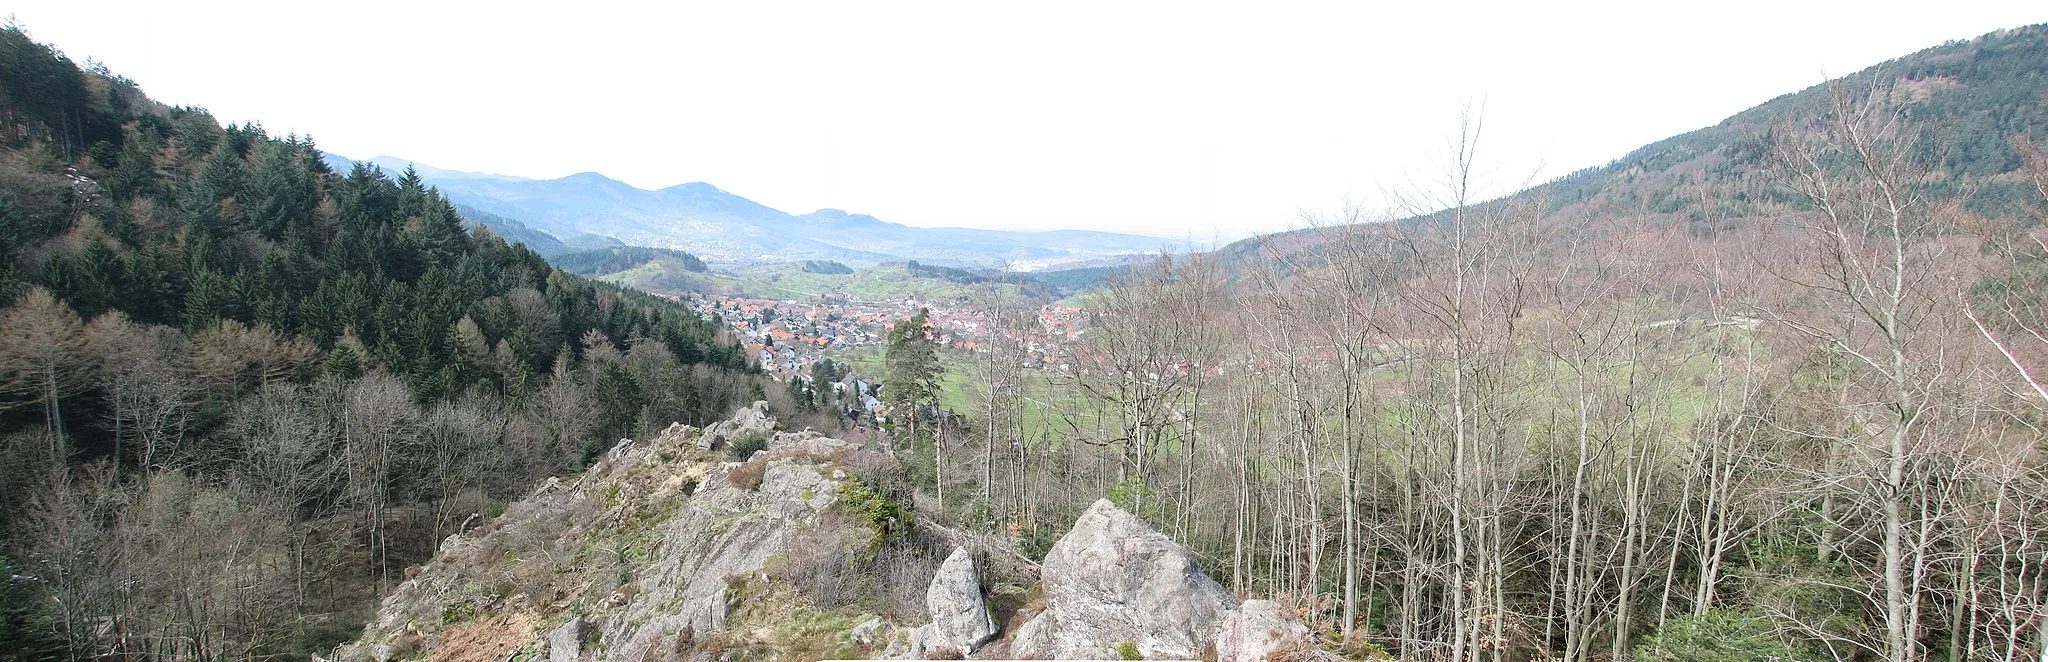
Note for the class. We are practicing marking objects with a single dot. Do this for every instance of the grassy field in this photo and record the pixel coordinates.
(1046, 400)
(1092, 299)
(654, 277)
(956, 387)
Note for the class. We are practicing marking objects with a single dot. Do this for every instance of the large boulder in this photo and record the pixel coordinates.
(565, 643)
(747, 422)
(960, 620)
(1257, 629)
(1113, 580)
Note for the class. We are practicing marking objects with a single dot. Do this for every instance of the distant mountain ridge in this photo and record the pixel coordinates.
(724, 227)
(547, 245)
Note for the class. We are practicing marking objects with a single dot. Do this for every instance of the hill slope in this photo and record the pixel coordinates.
(1965, 100)
(240, 390)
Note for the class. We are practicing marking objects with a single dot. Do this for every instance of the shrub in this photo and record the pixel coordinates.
(906, 570)
(1036, 541)
(459, 612)
(1129, 493)
(405, 646)
(26, 626)
(882, 513)
(828, 572)
(743, 447)
(1128, 651)
(1359, 648)
(979, 515)
(1721, 635)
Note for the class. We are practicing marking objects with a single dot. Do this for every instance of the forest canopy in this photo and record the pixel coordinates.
(217, 343)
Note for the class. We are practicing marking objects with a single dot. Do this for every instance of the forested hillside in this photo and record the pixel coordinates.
(1768, 391)
(1964, 103)
(243, 391)
(620, 258)
(513, 231)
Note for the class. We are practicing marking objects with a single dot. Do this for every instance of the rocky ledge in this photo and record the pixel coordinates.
(664, 551)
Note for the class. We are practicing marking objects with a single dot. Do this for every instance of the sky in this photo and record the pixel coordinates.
(1189, 120)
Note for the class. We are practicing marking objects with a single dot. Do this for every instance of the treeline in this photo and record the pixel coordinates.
(620, 258)
(1035, 285)
(1498, 433)
(242, 391)
(827, 267)
(1071, 281)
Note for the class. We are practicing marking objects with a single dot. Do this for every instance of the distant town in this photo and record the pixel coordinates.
(787, 337)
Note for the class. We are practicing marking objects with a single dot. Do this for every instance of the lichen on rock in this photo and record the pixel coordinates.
(960, 621)
(1256, 630)
(641, 550)
(1112, 579)
(656, 553)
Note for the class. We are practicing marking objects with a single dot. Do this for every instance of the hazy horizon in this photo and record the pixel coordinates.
(389, 161)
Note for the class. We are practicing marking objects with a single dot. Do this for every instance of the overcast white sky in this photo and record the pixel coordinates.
(1174, 119)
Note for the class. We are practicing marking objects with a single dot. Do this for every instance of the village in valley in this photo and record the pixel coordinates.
(792, 340)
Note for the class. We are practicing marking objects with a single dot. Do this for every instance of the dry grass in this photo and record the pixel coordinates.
(1303, 653)
(774, 622)
(847, 572)
(484, 641)
(905, 572)
(748, 475)
(829, 573)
